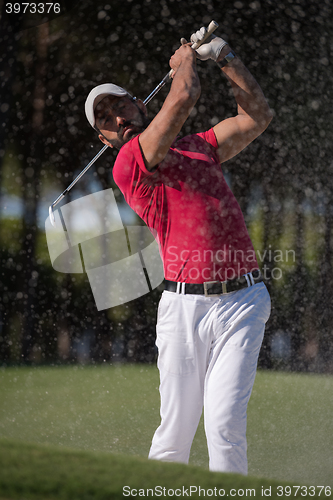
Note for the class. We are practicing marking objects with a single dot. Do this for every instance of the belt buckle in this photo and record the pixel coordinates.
(224, 288)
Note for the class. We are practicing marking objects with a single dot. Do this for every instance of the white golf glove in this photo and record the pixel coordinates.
(211, 48)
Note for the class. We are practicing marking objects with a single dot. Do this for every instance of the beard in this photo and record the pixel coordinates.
(137, 125)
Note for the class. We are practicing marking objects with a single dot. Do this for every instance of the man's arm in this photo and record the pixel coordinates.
(254, 115)
(156, 139)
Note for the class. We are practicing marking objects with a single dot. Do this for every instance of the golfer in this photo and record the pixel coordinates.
(212, 314)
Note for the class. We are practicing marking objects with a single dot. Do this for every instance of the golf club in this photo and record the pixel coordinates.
(211, 28)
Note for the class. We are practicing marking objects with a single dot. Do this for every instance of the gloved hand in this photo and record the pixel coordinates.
(211, 48)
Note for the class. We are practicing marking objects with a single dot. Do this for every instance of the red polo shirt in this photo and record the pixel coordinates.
(190, 209)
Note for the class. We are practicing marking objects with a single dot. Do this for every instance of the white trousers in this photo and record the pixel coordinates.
(208, 350)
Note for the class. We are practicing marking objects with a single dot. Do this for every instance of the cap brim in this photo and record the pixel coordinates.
(97, 94)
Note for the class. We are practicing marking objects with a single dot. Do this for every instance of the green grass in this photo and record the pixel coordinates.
(39, 472)
(92, 408)
(116, 409)
(290, 427)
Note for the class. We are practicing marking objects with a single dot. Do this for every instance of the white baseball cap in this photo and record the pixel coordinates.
(97, 94)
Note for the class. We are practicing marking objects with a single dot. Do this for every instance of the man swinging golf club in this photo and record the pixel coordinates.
(212, 314)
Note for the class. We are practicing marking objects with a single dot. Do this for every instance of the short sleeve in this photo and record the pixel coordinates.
(210, 137)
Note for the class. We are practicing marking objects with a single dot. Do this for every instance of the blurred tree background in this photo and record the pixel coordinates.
(282, 181)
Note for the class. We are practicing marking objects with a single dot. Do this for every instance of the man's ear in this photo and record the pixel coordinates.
(105, 141)
(142, 106)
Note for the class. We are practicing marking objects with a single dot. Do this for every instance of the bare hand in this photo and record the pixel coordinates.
(184, 53)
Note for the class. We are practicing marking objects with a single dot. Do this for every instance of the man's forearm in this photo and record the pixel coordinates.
(186, 82)
(156, 139)
(248, 94)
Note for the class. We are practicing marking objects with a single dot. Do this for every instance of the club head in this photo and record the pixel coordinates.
(51, 214)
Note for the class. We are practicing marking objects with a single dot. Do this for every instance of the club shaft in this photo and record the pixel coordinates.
(158, 88)
(81, 174)
(87, 167)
